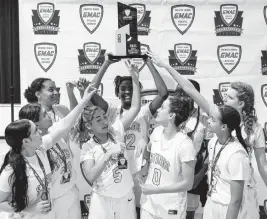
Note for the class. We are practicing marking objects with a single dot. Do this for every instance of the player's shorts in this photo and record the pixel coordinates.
(102, 207)
(192, 202)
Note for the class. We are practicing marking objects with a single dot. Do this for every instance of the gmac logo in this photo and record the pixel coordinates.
(45, 19)
(221, 93)
(143, 19)
(91, 58)
(264, 62)
(265, 13)
(45, 54)
(91, 16)
(140, 62)
(182, 17)
(183, 58)
(264, 93)
(228, 21)
(229, 56)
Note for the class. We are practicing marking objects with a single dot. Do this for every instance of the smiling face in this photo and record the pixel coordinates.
(99, 123)
(126, 92)
(48, 95)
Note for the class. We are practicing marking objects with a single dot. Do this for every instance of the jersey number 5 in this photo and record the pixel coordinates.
(117, 175)
(156, 177)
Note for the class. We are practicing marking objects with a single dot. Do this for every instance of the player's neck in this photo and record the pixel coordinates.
(223, 137)
(126, 106)
(170, 131)
(101, 137)
(47, 108)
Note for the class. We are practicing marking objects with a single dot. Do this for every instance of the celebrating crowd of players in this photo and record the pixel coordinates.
(197, 152)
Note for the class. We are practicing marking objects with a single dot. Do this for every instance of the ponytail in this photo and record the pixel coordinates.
(189, 134)
(240, 138)
(18, 179)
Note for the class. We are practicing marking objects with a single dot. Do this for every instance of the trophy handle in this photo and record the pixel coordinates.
(127, 57)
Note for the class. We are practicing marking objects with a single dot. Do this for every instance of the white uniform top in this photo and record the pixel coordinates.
(113, 182)
(58, 112)
(233, 164)
(35, 190)
(136, 135)
(166, 158)
(62, 181)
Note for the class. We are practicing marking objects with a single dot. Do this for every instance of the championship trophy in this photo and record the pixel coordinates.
(127, 44)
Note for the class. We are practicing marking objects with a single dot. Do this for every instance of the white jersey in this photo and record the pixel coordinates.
(113, 182)
(233, 164)
(58, 112)
(64, 178)
(166, 158)
(35, 190)
(137, 135)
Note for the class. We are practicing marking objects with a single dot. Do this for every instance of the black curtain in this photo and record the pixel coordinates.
(9, 55)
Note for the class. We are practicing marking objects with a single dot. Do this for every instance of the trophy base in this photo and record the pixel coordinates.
(127, 56)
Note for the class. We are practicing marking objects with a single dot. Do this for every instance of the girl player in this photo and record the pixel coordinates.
(137, 134)
(105, 162)
(229, 163)
(196, 129)
(61, 159)
(25, 176)
(44, 91)
(171, 163)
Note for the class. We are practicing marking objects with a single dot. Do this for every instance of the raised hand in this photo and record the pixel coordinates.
(82, 84)
(109, 59)
(156, 59)
(89, 91)
(70, 86)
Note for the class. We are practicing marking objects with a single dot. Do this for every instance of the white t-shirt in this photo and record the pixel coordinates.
(35, 190)
(112, 182)
(233, 164)
(58, 112)
(166, 158)
(136, 135)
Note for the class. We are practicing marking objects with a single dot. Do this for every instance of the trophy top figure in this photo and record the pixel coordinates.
(127, 44)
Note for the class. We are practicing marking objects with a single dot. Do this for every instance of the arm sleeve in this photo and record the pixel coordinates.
(259, 137)
(238, 166)
(87, 152)
(4, 180)
(187, 151)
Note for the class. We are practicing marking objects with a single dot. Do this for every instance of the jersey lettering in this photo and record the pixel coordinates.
(117, 175)
(130, 139)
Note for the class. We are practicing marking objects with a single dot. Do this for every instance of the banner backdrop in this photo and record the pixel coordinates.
(210, 41)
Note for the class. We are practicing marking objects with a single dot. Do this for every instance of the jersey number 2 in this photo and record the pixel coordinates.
(156, 177)
(130, 139)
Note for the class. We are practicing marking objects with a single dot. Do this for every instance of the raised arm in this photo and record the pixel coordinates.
(72, 99)
(96, 99)
(129, 116)
(160, 85)
(64, 125)
(186, 85)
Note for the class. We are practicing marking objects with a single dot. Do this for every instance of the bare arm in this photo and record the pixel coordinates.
(4, 203)
(199, 176)
(186, 85)
(72, 99)
(91, 170)
(160, 85)
(96, 99)
(236, 188)
(261, 163)
(129, 116)
(64, 125)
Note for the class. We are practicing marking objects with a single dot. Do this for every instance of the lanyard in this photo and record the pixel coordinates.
(45, 184)
(61, 155)
(215, 160)
(96, 140)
